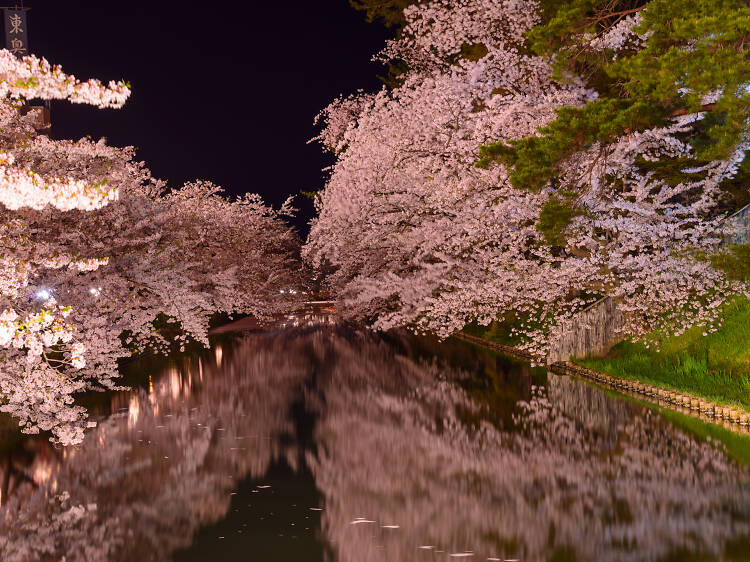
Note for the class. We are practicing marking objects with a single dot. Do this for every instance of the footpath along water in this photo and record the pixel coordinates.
(334, 443)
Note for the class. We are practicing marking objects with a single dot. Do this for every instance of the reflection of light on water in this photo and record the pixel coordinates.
(134, 411)
(173, 382)
(152, 396)
(219, 355)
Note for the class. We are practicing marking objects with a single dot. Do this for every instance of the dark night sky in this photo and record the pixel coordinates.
(221, 91)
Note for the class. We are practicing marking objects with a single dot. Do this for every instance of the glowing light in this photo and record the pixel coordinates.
(42, 472)
(44, 294)
(134, 411)
(174, 382)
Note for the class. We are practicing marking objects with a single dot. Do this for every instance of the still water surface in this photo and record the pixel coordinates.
(333, 443)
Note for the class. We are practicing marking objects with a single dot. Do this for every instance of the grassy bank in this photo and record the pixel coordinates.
(715, 367)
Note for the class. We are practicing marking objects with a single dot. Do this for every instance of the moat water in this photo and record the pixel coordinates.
(333, 443)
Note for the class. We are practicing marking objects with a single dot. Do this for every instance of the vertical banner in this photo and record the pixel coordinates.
(16, 39)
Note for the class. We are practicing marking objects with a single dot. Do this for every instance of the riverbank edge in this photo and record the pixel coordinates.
(730, 417)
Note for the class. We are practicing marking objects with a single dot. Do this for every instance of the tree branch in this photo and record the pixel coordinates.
(613, 14)
(685, 111)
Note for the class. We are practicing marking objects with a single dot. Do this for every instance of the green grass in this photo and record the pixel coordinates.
(715, 367)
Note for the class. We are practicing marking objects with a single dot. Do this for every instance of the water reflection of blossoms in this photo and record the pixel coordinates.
(162, 465)
(400, 441)
(584, 474)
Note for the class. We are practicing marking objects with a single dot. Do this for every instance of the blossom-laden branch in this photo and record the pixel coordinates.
(31, 77)
(24, 188)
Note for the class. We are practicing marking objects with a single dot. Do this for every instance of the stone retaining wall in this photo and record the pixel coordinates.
(740, 223)
(591, 331)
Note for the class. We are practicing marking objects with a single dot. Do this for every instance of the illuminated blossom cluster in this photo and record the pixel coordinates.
(31, 77)
(417, 236)
(34, 387)
(25, 188)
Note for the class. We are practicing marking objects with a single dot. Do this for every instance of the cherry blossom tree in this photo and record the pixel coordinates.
(418, 235)
(101, 260)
